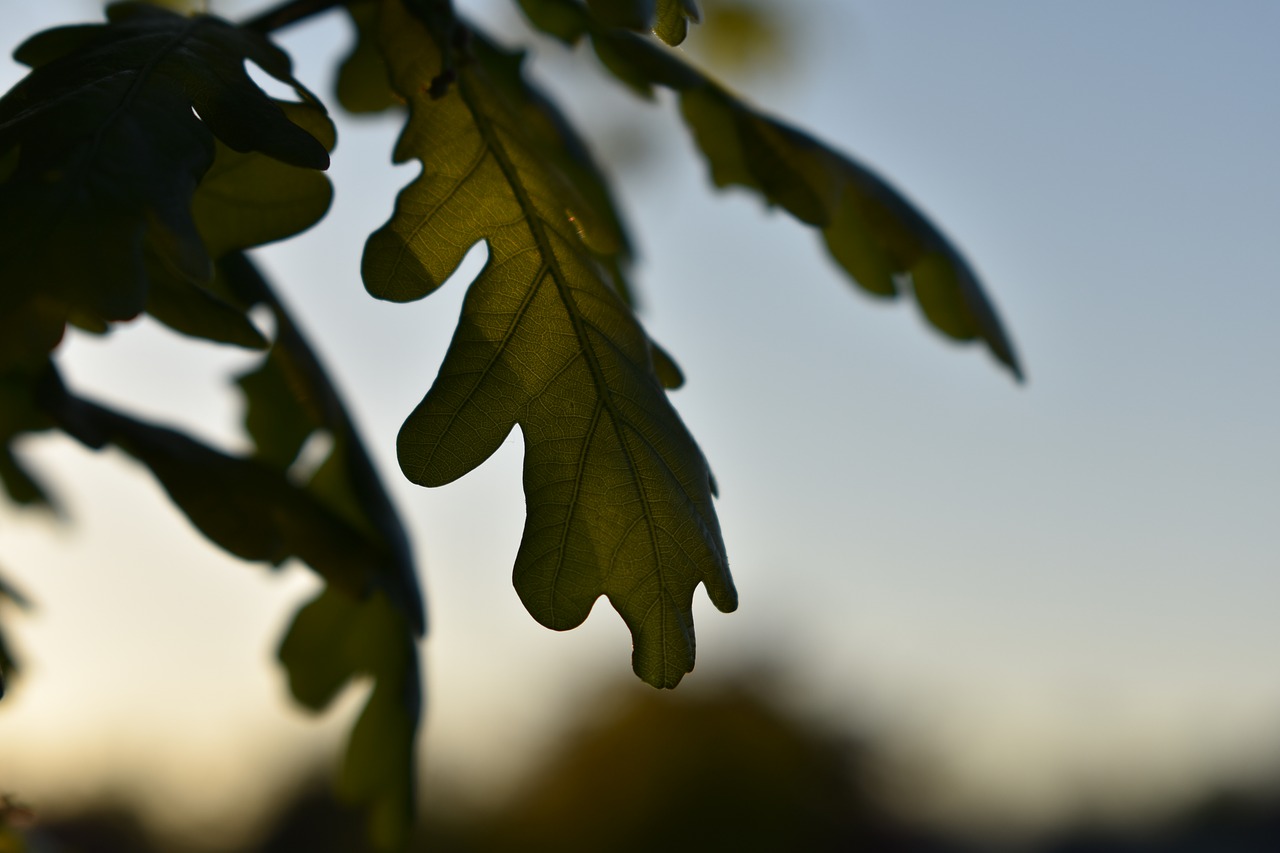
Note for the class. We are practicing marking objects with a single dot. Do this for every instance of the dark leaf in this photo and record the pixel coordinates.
(291, 390)
(113, 130)
(365, 623)
(289, 400)
(335, 639)
(198, 311)
(246, 199)
(19, 414)
(244, 506)
(277, 414)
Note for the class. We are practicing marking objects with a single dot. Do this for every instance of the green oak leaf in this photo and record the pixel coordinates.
(553, 139)
(341, 524)
(19, 414)
(246, 199)
(335, 639)
(245, 506)
(618, 494)
(104, 142)
(871, 230)
(289, 400)
(20, 484)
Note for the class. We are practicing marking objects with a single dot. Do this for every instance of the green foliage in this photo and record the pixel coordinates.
(109, 137)
(139, 163)
(618, 494)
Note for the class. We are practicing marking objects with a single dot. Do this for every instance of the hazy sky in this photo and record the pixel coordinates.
(1046, 592)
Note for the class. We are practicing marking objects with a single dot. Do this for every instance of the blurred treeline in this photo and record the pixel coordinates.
(721, 769)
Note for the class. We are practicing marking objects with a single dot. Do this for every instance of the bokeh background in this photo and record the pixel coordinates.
(1028, 608)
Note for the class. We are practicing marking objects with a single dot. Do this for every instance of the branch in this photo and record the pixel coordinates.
(288, 13)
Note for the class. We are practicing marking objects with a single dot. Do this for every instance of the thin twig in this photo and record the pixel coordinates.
(289, 13)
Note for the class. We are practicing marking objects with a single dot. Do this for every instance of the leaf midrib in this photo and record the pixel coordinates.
(537, 230)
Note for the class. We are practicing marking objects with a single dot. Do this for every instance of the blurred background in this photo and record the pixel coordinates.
(974, 615)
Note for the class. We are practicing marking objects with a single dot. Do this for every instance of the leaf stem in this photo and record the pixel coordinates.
(281, 16)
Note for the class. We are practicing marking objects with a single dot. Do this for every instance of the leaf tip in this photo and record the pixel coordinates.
(722, 592)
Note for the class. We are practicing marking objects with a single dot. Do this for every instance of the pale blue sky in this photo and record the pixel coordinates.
(1046, 592)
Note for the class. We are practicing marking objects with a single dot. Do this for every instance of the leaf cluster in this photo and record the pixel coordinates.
(139, 163)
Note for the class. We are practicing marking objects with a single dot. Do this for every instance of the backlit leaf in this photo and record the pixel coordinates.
(19, 414)
(290, 400)
(341, 523)
(243, 505)
(335, 639)
(618, 494)
(250, 507)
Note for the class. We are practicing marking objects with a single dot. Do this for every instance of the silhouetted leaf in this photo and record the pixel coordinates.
(664, 366)
(112, 130)
(244, 506)
(246, 199)
(335, 639)
(21, 486)
(371, 610)
(289, 400)
(19, 414)
(618, 493)
(878, 237)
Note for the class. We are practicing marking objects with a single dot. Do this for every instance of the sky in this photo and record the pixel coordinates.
(1056, 596)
